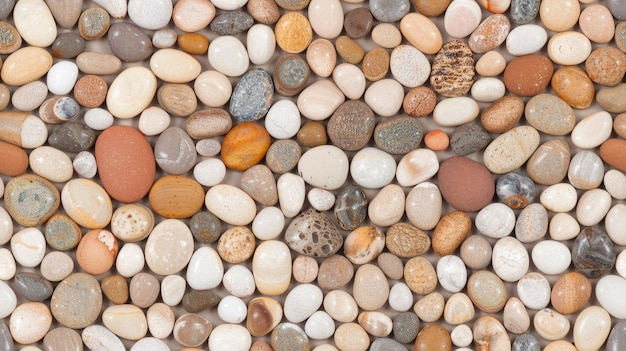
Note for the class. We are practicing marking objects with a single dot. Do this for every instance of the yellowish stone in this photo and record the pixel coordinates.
(293, 32)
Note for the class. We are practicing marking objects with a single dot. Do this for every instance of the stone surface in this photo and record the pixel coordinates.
(453, 69)
(31, 199)
(549, 163)
(176, 196)
(323, 229)
(351, 126)
(593, 253)
(528, 75)
(465, 184)
(129, 42)
(77, 301)
(487, 291)
(244, 146)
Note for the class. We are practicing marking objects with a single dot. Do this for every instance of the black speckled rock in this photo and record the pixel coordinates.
(72, 137)
(32, 286)
(199, 300)
(398, 135)
(289, 337)
(469, 138)
(68, 45)
(252, 96)
(351, 126)
(291, 74)
(129, 42)
(283, 155)
(526, 342)
(205, 227)
(311, 233)
(593, 253)
(350, 207)
(524, 11)
(406, 325)
(389, 10)
(231, 23)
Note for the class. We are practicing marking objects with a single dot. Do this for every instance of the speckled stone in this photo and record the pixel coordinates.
(62, 233)
(293, 5)
(174, 151)
(465, 184)
(389, 10)
(515, 190)
(358, 22)
(177, 99)
(549, 163)
(33, 286)
(289, 337)
(452, 71)
(350, 207)
(77, 301)
(10, 38)
(550, 114)
(31, 199)
(524, 11)
(351, 125)
(231, 23)
(62, 338)
(291, 74)
(72, 137)
(283, 156)
(293, 32)
(263, 11)
(406, 325)
(606, 65)
(68, 45)
(406, 241)
(469, 138)
(115, 288)
(593, 253)
(312, 233)
(399, 134)
(386, 344)
(503, 114)
(129, 42)
(419, 101)
(487, 291)
(528, 75)
(252, 96)
(205, 227)
(620, 36)
(334, 272)
(570, 293)
(90, 90)
(258, 182)
(526, 342)
(490, 33)
(376, 64)
(94, 23)
(476, 252)
(200, 300)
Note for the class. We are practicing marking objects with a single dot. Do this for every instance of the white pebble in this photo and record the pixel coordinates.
(569, 48)
(30, 96)
(495, 220)
(409, 66)
(213, 88)
(400, 297)
(130, 260)
(95, 336)
(321, 199)
(85, 164)
(551, 257)
(301, 302)
(230, 204)
(164, 38)
(451, 273)
(261, 44)
(488, 89)
(239, 281)
(209, 172)
(7, 264)
(350, 80)
(51, 163)
(161, 320)
(150, 14)
(153, 121)
(28, 246)
(228, 55)
(61, 77)
(172, 289)
(615, 222)
(232, 309)
(561, 197)
(462, 335)
(592, 206)
(150, 344)
(509, 259)
(229, 4)
(610, 291)
(208, 147)
(291, 194)
(372, 168)
(268, 223)
(205, 269)
(563, 227)
(416, 167)
(319, 326)
(385, 97)
(98, 118)
(6, 226)
(453, 112)
(526, 39)
(283, 119)
(56, 266)
(9, 300)
(592, 130)
(534, 291)
(615, 184)
(620, 264)
(230, 337)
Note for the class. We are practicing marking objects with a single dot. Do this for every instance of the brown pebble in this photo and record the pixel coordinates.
(572, 84)
(177, 99)
(312, 133)
(620, 36)
(351, 126)
(420, 275)
(236, 245)
(391, 265)
(406, 240)
(490, 34)
(335, 272)
(619, 125)
(570, 293)
(606, 65)
(349, 50)
(528, 75)
(376, 64)
(420, 101)
(174, 196)
(144, 289)
(115, 288)
(358, 22)
(264, 314)
(613, 152)
(293, 5)
(263, 11)
(465, 184)
(260, 345)
(13, 160)
(199, 300)
(450, 232)
(204, 124)
(62, 338)
(452, 71)
(90, 90)
(503, 114)
(193, 43)
(431, 8)
(291, 74)
(433, 337)
(258, 182)
(476, 252)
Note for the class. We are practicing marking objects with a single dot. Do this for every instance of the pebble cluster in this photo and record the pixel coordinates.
(319, 175)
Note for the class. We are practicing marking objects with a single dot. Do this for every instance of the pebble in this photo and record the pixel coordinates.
(489, 331)
(30, 199)
(569, 48)
(617, 9)
(515, 190)
(365, 160)
(462, 335)
(510, 248)
(351, 80)
(570, 293)
(419, 101)
(209, 172)
(335, 272)
(616, 338)
(591, 328)
(528, 75)
(451, 273)
(489, 34)
(291, 194)
(319, 100)
(68, 45)
(7, 264)
(387, 207)
(304, 269)
(593, 206)
(524, 11)
(258, 182)
(364, 244)
(469, 138)
(459, 309)
(98, 336)
(573, 86)
(421, 277)
(169, 238)
(321, 58)
(51, 163)
(238, 280)
(125, 321)
(495, 220)
(462, 18)
(128, 42)
(341, 126)
(455, 111)
(400, 297)
(130, 260)
(526, 342)
(386, 344)
(131, 92)
(264, 314)
(199, 300)
(193, 43)
(208, 147)
(593, 253)
(586, 170)
(14, 160)
(487, 291)
(349, 50)
(612, 223)
(60, 337)
(72, 137)
(405, 56)
(29, 96)
(77, 301)
(93, 23)
(511, 150)
(271, 267)
(371, 288)
(174, 196)
(177, 99)
(435, 337)
(192, 330)
(476, 252)
(549, 163)
(35, 23)
(29, 322)
(436, 140)
(8, 295)
(526, 39)
(421, 32)
(533, 289)
(293, 32)
(33, 286)
(25, 65)
(11, 40)
(99, 245)
(302, 240)
(606, 66)
(488, 89)
(453, 70)
(90, 91)
(490, 64)
(265, 12)
(614, 183)
(559, 16)
(450, 232)
(620, 39)
(465, 184)
(326, 18)
(58, 110)
(515, 316)
(115, 288)
(289, 336)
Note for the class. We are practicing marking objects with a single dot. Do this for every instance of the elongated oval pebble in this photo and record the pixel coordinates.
(452, 112)
(131, 92)
(593, 206)
(230, 204)
(35, 22)
(421, 32)
(291, 194)
(569, 48)
(424, 205)
(526, 39)
(174, 66)
(591, 328)
(25, 65)
(260, 43)
(94, 336)
(560, 197)
(271, 267)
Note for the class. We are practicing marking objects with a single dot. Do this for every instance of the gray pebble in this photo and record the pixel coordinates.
(350, 207)
(289, 337)
(283, 155)
(208, 147)
(6, 7)
(406, 325)
(386, 344)
(398, 135)
(6, 340)
(617, 337)
(67, 45)
(469, 138)
(72, 137)
(231, 23)
(617, 8)
(524, 11)
(389, 10)
(252, 96)
(205, 227)
(526, 342)
(129, 43)
(174, 151)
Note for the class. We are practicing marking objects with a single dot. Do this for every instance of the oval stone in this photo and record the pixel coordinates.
(586, 170)
(371, 288)
(25, 65)
(489, 34)
(351, 125)
(548, 165)
(573, 85)
(230, 204)
(174, 66)
(421, 32)
(324, 166)
(271, 267)
(569, 48)
(312, 233)
(398, 135)
(570, 293)
(465, 184)
(518, 41)
(174, 151)
(452, 70)
(169, 239)
(35, 22)
(129, 42)
(77, 301)
(528, 75)
(252, 96)
(593, 253)
(244, 146)
(176, 196)
(131, 92)
(511, 150)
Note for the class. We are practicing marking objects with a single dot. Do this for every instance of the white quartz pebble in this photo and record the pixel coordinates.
(150, 344)
(232, 309)
(534, 291)
(260, 43)
(417, 166)
(451, 273)
(551, 257)
(592, 130)
(205, 269)
(213, 88)
(172, 289)
(324, 166)
(620, 264)
(7, 264)
(228, 55)
(230, 204)
(126, 321)
(385, 97)
(169, 247)
(283, 119)
(98, 337)
(51, 163)
(28, 246)
(9, 300)
(153, 121)
(230, 337)
(526, 39)
(291, 194)
(271, 267)
(400, 297)
(34, 22)
(488, 89)
(452, 112)
(319, 326)
(462, 336)
(229, 4)
(350, 79)
(30, 96)
(115, 8)
(561, 197)
(56, 266)
(495, 220)
(239, 281)
(615, 184)
(615, 222)
(84, 164)
(268, 223)
(150, 14)
(509, 259)
(98, 118)
(424, 205)
(610, 291)
(461, 18)
(161, 320)
(164, 38)
(563, 226)
(209, 172)
(372, 168)
(569, 48)
(130, 260)
(61, 77)
(592, 206)
(302, 301)
(29, 322)
(321, 199)
(131, 92)
(326, 17)
(319, 100)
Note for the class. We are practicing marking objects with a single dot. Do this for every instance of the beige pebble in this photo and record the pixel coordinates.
(491, 64)
(596, 22)
(391, 265)
(424, 205)
(351, 337)
(487, 291)
(450, 232)
(387, 207)
(459, 309)
(305, 269)
(98, 63)
(421, 32)
(430, 307)
(559, 15)
(213, 88)
(420, 275)
(126, 321)
(386, 35)
(515, 316)
(236, 245)
(489, 331)
(375, 323)
(406, 241)
(160, 318)
(30, 322)
(321, 57)
(25, 65)
(174, 66)
(370, 288)
(560, 345)
(131, 92)
(550, 324)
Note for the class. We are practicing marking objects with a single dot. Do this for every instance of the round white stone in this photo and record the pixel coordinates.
(229, 4)
(150, 14)
(563, 227)
(232, 309)
(453, 112)
(620, 264)
(534, 291)
(209, 172)
(7, 264)
(51, 163)
(350, 79)
(213, 88)
(261, 44)
(301, 302)
(173, 289)
(615, 184)
(230, 337)
(205, 269)
(319, 100)
(85, 164)
(34, 132)
(239, 281)
(28, 246)
(61, 77)
(526, 39)
(615, 222)
(230, 204)
(452, 273)
(488, 89)
(509, 259)
(592, 206)
(268, 223)
(324, 166)
(153, 121)
(551, 257)
(130, 260)
(228, 55)
(495, 220)
(6, 226)
(610, 292)
(283, 119)
(400, 297)
(372, 168)
(462, 335)
(8, 298)
(164, 38)
(56, 266)
(98, 118)
(385, 97)
(321, 199)
(416, 167)
(291, 194)
(561, 197)
(319, 326)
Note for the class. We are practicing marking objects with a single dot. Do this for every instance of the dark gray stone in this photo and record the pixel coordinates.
(6, 341)
(252, 96)
(389, 10)
(350, 207)
(406, 325)
(205, 227)
(231, 23)
(32, 286)
(283, 155)
(398, 135)
(129, 43)
(593, 253)
(72, 137)
(469, 138)
(524, 11)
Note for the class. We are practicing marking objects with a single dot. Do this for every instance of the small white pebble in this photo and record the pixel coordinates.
(462, 335)
(268, 223)
(620, 264)
(283, 119)
(164, 38)
(208, 147)
(232, 309)
(321, 199)
(98, 118)
(85, 164)
(153, 121)
(209, 172)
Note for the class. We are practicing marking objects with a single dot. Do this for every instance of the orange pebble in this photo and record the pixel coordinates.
(437, 140)
(193, 43)
(96, 251)
(245, 145)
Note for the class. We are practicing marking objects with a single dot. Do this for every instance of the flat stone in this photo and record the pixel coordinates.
(351, 126)
(453, 69)
(174, 196)
(31, 199)
(129, 42)
(370, 288)
(593, 253)
(487, 291)
(33, 286)
(586, 170)
(98, 63)
(62, 338)
(77, 301)
(508, 157)
(421, 32)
